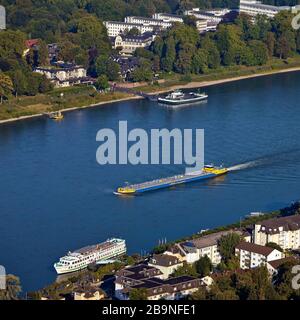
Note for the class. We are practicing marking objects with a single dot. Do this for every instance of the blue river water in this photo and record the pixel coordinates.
(55, 197)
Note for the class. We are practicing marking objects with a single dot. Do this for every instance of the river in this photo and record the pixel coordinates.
(55, 197)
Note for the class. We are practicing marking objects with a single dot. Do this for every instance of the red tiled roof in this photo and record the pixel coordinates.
(252, 247)
(30, 43)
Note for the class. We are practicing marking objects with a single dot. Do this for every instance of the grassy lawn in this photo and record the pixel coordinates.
(58, 99)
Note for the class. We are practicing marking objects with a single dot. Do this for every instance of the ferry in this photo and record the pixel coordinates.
(56, 115)
(178, 97)
(100, 254)
(209, 171)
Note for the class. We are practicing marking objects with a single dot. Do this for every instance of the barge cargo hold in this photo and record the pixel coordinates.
(208, 172)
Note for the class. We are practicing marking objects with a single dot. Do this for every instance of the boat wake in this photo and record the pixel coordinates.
(246, 165)
(289, 156)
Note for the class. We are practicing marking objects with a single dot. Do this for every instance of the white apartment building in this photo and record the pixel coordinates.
(201, 25)
(252, 255)
(64, 76)
(254, 8)
(211, 15)
(129, 44)
(284, 231)
(2, 18)
(192, 251)
(115, 28)
(149, 22)
(167, 17)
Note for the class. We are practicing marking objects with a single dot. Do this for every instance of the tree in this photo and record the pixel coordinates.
(157, 46)
(6, 86)
(183, 62)
(138, 294)
(227, 245)
(282, 47)
(169, 55)
(190, 21)
(274, 246)
(259, 51)
(19, 82)
(13, 288)
(143, 72)
(133, 32)
(204, 266)
(186, 270)
(200, 294)
(199, 61)
(113, 71)
(283, 279)
(102, 82)
(270, 42)
(42, 54)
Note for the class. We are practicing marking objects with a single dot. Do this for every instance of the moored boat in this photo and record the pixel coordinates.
(56, 115)
(178, 97)
(100, 254)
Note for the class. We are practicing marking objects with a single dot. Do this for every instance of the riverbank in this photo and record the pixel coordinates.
(70, 99)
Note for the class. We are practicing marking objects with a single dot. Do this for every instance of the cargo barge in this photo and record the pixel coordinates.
(207, 172)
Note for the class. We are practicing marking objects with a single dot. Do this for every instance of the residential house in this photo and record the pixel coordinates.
(167, 264)
(284, 231)
(31, 44)
(273, 266)
(252, 255)
(65, 75)
(53, 51)
(89, 293)
(128, 44)
(127, 65)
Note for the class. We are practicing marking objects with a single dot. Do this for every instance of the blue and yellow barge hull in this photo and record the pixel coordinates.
(208, 172)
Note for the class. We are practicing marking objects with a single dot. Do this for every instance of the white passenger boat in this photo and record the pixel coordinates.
(99, 254)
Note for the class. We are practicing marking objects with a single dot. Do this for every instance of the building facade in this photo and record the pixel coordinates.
(167, 264)
(168, 17)
(115, 28)
(283, 231)
(211, 16)
(202, 25)
(191, 251)
(254, 8)
(2, 18)
(149, 22)
(64, 76)
(252, 255)
(152, 281)
(128, 44)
